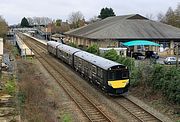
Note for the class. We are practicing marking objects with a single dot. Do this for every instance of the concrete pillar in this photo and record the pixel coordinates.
(87, 42)
(77, 40)
(172, 47)
(125, 52)
(135, 49)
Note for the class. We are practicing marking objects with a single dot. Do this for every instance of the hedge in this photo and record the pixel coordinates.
(160, 78)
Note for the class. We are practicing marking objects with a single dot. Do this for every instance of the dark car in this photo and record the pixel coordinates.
(151, 54)
(138, 55)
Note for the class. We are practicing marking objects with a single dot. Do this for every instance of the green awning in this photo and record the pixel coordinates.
(140, 43)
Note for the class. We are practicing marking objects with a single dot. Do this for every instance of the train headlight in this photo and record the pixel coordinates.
(109, 83)
(127, 82)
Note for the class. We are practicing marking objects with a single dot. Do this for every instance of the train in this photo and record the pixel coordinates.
(111, 77)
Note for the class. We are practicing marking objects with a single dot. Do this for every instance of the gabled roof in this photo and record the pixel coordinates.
(127, 27)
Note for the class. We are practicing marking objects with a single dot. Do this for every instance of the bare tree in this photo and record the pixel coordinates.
(76, 19)
(170, 17)
(30, 20)
(3, 27)
(94, 19)
(177, 14)
(150, 16)
(161, 17)
(39, 20)
(177, 11)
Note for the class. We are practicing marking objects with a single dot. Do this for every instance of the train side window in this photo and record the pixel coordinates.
(100, 72)
(80, 62)
(60, 52)
(94, 69)
(66, 54)
(85, 64)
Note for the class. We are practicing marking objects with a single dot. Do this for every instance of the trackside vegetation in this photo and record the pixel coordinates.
(158, 78)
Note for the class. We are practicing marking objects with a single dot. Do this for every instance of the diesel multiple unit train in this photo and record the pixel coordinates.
(110, 76)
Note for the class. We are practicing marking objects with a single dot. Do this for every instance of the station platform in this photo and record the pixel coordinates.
(39, 40)
(23, 48)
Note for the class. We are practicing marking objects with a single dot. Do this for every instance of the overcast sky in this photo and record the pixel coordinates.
(14, 10)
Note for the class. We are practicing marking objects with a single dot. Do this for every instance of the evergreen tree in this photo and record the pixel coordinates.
(24, 22)
(106, 12)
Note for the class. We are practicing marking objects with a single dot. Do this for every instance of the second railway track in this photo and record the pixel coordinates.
(136, 111)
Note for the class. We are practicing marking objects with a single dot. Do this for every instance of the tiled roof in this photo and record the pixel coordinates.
(127, 27)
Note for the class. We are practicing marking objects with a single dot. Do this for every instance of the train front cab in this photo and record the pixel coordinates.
(117, 80)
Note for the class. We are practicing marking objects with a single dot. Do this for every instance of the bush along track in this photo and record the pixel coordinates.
(8, 111)
(159, 78)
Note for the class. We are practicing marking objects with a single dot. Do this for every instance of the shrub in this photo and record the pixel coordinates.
(67, 118)
(10, 87)
(111, 55)
(127, 61)
(72, 45)
(21, 97)
(159, 78)
(94, 49)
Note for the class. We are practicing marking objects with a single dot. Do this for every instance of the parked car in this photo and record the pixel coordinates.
(138, 55)
(170, 60)
(151, 54)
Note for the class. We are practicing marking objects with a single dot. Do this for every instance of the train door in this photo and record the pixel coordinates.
(75, 63)
(90, 71)
(70, 59)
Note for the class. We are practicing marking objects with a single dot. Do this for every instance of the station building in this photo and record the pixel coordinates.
(113, 31)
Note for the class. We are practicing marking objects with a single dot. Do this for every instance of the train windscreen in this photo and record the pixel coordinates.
(118, 74)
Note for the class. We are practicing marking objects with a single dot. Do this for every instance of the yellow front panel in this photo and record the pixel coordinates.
(118, 83)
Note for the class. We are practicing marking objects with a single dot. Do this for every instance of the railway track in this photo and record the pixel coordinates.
(136, 111)
(131, 108)
(92, 112)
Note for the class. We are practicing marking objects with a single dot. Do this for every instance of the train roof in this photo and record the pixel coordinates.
(53, 43)
(97, 60)
(68, 49)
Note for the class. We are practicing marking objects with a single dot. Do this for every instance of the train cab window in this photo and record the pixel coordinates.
(118, 75)
(111, 75)
(125, 75)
